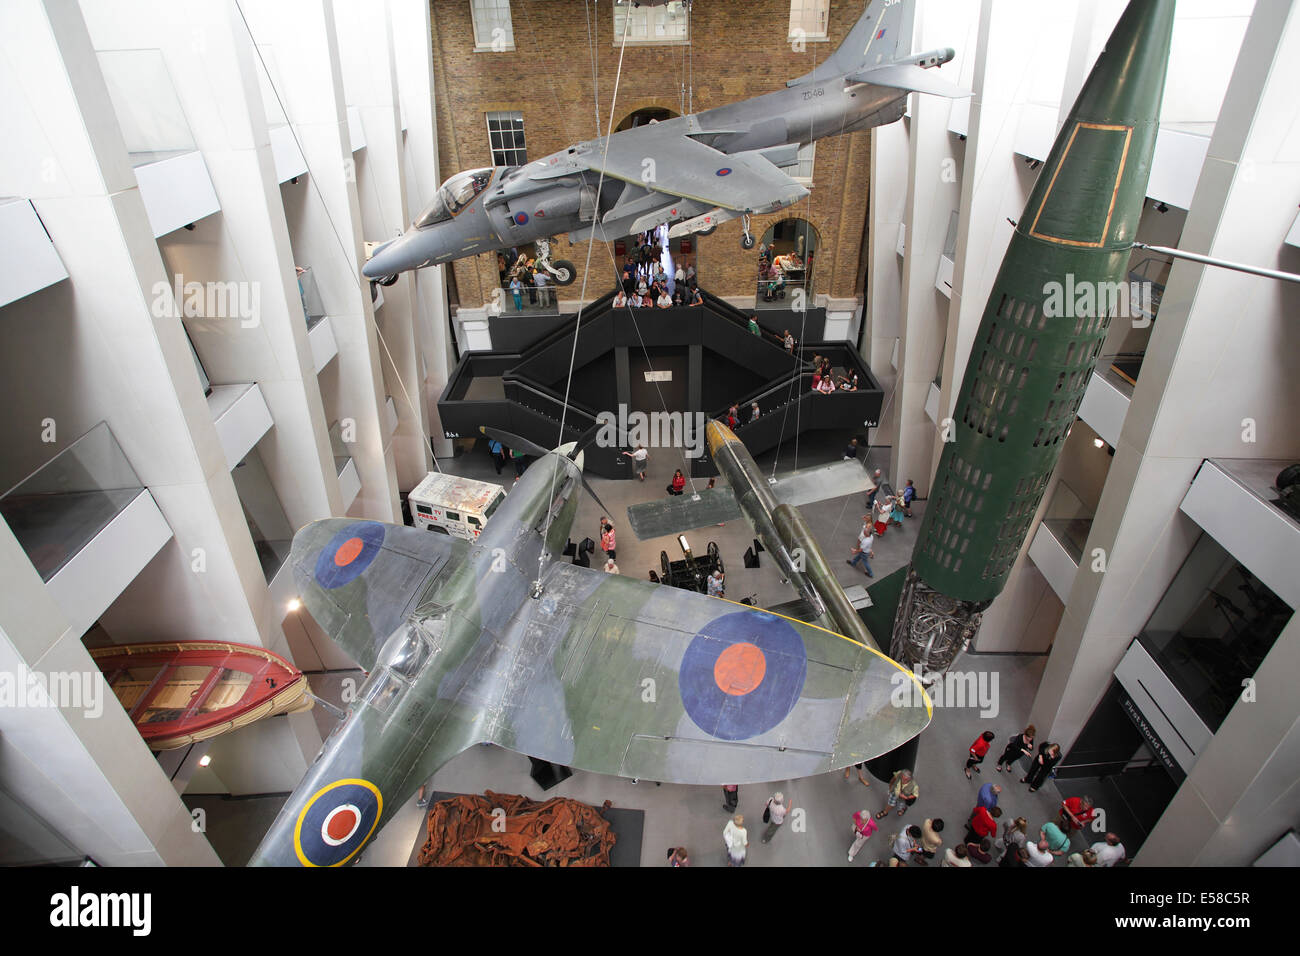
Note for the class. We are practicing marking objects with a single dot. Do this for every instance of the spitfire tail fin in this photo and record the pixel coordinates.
(882, 35)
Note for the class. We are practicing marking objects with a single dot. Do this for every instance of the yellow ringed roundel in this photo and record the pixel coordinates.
(336, 822)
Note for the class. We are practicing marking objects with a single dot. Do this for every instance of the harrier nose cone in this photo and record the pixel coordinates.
(391, 258)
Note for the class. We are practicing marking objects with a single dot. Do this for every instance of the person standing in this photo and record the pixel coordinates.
(1086, 859)
(980, 852)
(753, 412)
(851, 449)
(677, 856)
(1020, 745)
(517, 293)
(730, 797)
(518, 457)
(884, 507)
(775, 815)
(983, 823)
(717, 588)
(736, 838)
(909, 495)
(930, 840)
(988, 796)
(610, 566)
(1076, 813)
(1049, 755)
(860, 767)
(1039, 855)
(498, 455)
(863, 550)
(978, 750)
(1057, 841)
(753, 326)
(789, 342)
(876, 482)
(863, 827)
(956, 856)
(903, 792)
(607, 540)
(1015, 834)
(1109, 852)
(639, 460)
(907, 844)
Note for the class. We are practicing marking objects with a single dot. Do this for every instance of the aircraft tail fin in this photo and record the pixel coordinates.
(882, 35)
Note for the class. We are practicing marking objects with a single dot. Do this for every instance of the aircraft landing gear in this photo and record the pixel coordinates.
(746, 240)
(387, 280)
(561, 271)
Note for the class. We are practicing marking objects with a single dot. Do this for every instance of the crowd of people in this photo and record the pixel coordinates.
(884, 507)
(984, 840)
(645, 284)
(521, 276)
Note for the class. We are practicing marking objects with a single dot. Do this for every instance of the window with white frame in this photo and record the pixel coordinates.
(493, 31)
(506, 137)
(804, 171)
(669, 23)
(808, 19)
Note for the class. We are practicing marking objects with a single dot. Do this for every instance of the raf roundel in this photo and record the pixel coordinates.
(349, 553)
(521, 218)
(724, 171)
(336, 822)
(742, 674)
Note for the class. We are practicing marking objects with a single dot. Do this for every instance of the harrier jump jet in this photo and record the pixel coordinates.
(696, 171)
(499, 640)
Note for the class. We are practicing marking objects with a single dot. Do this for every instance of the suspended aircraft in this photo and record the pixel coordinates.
(695, 171)
(499, 640)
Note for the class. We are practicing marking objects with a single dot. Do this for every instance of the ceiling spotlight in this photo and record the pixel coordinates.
(205, 760)
(294, 604)
(1099, 443)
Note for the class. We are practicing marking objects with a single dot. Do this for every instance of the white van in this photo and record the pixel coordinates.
(452, 505)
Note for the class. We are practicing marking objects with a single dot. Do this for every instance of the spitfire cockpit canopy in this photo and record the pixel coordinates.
(454, 195)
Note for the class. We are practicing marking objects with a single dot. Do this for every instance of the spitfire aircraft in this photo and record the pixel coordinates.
(696, 171)
(499, 640)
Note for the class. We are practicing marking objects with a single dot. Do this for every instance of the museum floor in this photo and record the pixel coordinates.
(694, 816)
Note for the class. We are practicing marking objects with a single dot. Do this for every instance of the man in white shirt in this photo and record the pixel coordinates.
(736, 839)
(1039, 854)
(1110, 852)
(611, 567)
(864, 549)
(539, 280)
(620, 299)
(664, 301)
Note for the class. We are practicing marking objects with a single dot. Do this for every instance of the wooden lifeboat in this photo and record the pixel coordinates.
(177, 694)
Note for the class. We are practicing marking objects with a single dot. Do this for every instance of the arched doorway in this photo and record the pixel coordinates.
(647, 114)
(784, 263)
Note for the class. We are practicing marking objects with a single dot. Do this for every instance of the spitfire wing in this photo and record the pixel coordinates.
(640, 680)
(360, 579)
(668, 162)
(654, 519)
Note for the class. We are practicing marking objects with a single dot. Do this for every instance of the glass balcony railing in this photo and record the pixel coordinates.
(60, 507)
(1069, 520)
(153, 123)
(272, 534)
(339, 448)
(312, 307)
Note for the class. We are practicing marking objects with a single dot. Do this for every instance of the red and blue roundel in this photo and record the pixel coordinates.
(742, 674)
(348, 554)
(521, 218)
(336, 822)
(724, 171)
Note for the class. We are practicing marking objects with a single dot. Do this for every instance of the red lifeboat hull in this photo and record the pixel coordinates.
(180, 693)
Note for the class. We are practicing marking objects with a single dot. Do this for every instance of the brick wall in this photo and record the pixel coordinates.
(738, 49)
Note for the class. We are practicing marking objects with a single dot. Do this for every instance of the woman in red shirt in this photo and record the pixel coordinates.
(679, 483)
(977, 751)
